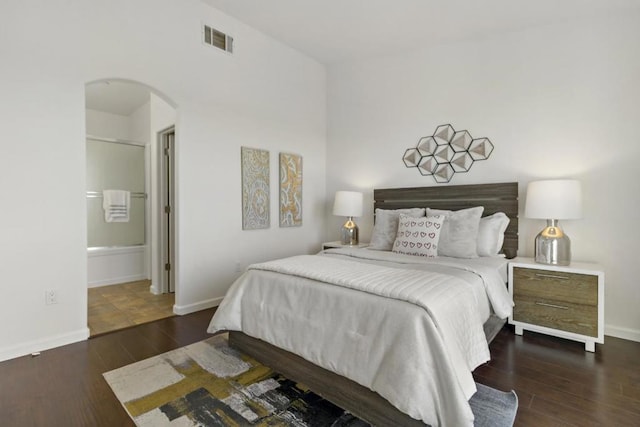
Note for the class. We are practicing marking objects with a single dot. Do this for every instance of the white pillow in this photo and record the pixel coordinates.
(418, 236)
(459, 232)
(491, 234)
(386, 227)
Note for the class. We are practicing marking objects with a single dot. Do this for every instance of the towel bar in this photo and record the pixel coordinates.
(134, 194)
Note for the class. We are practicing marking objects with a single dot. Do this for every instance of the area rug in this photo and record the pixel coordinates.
(210, 384)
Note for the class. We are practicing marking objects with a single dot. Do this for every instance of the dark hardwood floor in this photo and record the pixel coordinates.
(558, 383)
(64, 386)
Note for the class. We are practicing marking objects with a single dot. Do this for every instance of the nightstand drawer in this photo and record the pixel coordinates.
(561, 315)
(562, 287)
(564, 301)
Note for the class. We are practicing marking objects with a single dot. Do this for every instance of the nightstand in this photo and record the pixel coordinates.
(563, 301)
(338, 244)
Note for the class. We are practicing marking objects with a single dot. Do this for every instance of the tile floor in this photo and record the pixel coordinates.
(120, 306)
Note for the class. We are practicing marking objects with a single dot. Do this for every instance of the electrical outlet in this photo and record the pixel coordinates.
(238, 267)
(50, 297)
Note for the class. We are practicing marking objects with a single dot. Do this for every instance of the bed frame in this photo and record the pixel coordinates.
(359, 400)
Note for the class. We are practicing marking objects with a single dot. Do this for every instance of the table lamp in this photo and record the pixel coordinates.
(349, 204)
(553, 200)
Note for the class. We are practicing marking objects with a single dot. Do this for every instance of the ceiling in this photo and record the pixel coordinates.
(340, 30)
(116, 97)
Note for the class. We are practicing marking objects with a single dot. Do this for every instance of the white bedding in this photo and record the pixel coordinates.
(418, 354)
(490, 271)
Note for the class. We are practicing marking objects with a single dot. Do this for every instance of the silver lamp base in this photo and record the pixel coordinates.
(553, 246)
(349, 233)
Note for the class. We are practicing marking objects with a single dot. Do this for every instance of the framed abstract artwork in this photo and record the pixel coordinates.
(290, 190)
(255, 188)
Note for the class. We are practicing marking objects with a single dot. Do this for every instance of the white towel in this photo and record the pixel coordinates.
(116, 205)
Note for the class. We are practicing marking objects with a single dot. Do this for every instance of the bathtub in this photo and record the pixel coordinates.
(112, 265)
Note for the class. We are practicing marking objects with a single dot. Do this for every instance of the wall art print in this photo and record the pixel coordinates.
(255, 188)
(290, 190)
(446, 152)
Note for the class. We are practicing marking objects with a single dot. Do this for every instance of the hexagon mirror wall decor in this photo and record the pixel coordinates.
(446, 153)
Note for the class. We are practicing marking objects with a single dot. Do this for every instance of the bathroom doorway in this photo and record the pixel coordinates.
(126, 123)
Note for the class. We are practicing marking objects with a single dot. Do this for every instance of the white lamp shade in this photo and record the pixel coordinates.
(347, 203)
(554, 199)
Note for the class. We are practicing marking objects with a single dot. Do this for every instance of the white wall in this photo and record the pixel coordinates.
(139, 123)
(107, 125)
(558, 101)
(265, 95)
(134, 127)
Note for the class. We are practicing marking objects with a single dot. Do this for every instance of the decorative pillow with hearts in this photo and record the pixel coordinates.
(385, 228)
(418, 236)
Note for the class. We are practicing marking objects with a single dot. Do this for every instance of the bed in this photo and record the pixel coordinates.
(359, 328)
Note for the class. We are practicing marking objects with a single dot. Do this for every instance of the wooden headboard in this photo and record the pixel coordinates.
(501, 197)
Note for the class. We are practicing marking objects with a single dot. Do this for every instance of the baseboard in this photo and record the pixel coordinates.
(200, 305)
(624, 333)
(117, 280)
(24, 349)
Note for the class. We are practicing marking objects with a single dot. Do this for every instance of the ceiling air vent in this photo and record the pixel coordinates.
(218, 39)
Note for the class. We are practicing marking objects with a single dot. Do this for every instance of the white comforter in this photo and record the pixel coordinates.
(410, 335)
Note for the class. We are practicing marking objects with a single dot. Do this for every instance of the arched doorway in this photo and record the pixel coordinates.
(130, 144)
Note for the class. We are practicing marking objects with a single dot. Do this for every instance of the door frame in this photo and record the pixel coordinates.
(166, 232)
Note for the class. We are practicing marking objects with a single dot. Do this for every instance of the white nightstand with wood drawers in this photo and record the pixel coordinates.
(563, 301)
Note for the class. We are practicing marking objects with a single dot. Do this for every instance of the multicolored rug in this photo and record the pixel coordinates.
(210, 384)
